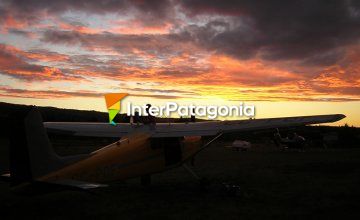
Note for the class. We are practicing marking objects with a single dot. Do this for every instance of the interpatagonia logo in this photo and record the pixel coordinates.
(113, 104)
(209, 111)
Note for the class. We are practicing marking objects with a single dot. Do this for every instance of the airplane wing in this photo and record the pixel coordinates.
(185, 129)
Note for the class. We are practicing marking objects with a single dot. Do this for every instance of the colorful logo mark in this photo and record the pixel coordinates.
(113, 104)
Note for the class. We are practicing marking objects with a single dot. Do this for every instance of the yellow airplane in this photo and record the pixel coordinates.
(142, 150)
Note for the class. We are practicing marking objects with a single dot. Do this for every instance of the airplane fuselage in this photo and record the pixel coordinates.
(130, 157)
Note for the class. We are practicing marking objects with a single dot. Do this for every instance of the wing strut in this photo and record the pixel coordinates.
(209, 142)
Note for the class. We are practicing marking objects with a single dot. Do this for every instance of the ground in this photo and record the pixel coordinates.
(274, 184)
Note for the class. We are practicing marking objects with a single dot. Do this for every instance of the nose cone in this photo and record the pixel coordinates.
(338, 117)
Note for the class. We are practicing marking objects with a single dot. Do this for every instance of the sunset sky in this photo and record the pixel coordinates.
(286, 57)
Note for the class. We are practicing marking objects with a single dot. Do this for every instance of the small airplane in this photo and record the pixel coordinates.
(142, 150)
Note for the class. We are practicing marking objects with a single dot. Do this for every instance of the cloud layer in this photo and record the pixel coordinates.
(272, 50)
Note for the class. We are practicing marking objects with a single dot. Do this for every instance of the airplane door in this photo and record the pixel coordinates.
(172, 152)
(172, 149)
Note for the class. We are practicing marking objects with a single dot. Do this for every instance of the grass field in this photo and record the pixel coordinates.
(273, 184)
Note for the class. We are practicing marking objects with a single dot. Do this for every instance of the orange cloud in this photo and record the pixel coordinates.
(79, 28)
(138, 27)
(13, 63)
(8, 21)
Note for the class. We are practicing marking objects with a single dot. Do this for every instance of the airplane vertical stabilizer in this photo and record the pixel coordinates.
(31, 153)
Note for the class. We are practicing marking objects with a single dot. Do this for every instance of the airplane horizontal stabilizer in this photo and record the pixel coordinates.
(37, 187)
(5, 177)
(78, 184)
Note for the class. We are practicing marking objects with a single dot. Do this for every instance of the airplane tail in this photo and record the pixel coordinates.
(31, 153)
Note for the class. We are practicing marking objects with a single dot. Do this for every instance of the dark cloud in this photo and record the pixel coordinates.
(301, 99)
(326, 58)
(183, 71)
(277, 30)
(92, 6)
(150, 43)
(20, 32)
(46, 94)
(154, 12)
(162, 91)
(171, 97)
(339, 90)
